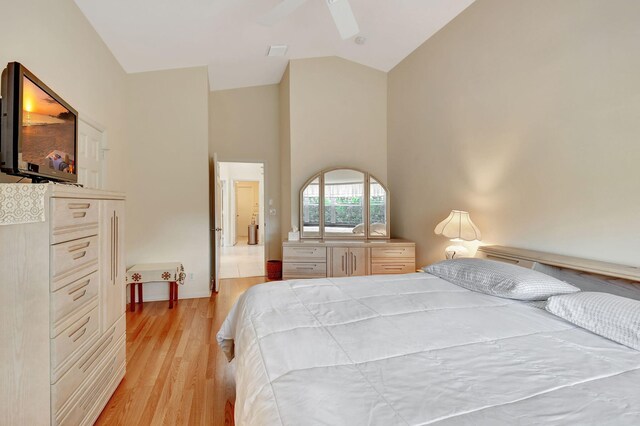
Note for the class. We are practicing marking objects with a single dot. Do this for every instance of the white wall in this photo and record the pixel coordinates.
(244, 127)
(234, 172)
(168, 172)
(56, 42)
(337, 117)
(526, 114)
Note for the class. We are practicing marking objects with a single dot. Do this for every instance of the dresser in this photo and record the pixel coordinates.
(62, 322)
(346, 258)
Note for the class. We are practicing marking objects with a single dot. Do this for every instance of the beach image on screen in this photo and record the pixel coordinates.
(48, 131)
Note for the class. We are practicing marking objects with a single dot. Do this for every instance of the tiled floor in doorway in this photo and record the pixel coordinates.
(242, 260)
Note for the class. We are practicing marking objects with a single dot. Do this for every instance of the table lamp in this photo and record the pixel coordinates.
(458, 227)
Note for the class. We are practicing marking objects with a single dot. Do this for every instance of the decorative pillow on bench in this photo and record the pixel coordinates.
(499, 279)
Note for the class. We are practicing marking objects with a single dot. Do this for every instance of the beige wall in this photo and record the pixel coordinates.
(526, 114)
(338, 117)
(288, 196)
(244, 127)
(168, 173)
(56, 42)
(325, 112)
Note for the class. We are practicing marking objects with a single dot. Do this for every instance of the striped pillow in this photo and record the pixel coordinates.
(499, 279)
(614, 317)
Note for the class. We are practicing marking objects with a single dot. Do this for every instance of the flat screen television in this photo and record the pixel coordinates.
(38, 129)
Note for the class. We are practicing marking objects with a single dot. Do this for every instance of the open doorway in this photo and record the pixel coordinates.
(242, 253)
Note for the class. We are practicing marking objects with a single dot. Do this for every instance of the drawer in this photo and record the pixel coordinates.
(73, 218)
(73, 260)
(393, 267)
(304, 270)
(393, 252)
(70, 298)
(85, 366)
(304, 254)
(74, 336)
(93, 391)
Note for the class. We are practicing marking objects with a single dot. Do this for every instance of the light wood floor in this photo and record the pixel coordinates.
(176, 373)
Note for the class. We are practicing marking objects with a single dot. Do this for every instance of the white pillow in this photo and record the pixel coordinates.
(614, 317)
(499, 279)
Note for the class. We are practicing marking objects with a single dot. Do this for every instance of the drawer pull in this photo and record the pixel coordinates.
(79, 296)
(80, 287)
(78, 247)
(305, 268)
(79, 215)
(96, 353)
(79, 255)
(78, 206)
(84, 330)
(80, 327)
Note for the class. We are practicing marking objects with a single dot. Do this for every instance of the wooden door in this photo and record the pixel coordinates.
(339, 262)
(90, 155)
(246, 207)
(215, 220)
(357, 261)
(113, 262)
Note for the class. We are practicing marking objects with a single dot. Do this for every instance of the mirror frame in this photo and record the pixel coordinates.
(366, 207)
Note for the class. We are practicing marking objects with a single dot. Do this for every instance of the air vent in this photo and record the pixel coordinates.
(277, 50)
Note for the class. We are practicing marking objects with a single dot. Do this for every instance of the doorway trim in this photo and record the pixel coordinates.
(266, 217)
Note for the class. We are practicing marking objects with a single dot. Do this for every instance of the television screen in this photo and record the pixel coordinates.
(48, 132)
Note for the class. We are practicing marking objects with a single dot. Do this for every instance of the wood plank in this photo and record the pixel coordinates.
(578, 264)
(176, 374)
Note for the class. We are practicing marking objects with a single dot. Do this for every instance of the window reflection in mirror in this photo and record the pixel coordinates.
(377, 209)
(344, 203)
(311, 210)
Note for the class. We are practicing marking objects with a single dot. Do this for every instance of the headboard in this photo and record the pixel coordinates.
(587, 274)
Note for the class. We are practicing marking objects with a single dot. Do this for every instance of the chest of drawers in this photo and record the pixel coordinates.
(346, 258)
(63, 334)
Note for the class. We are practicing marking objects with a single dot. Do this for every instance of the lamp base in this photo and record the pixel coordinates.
(456, 252)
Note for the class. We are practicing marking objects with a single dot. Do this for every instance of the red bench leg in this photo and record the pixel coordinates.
(140, 300)
(170, 295)
(132, 288)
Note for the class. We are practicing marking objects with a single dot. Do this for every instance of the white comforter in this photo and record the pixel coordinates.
(413, 350)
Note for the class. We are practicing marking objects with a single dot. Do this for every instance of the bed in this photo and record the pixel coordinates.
(415, 349)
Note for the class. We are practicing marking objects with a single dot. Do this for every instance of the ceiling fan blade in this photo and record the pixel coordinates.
(283, 9)
(344, 18)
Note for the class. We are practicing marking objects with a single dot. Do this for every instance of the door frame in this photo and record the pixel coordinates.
(214, 239)
(266, 217)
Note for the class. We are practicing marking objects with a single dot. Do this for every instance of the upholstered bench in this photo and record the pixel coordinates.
(172, 273)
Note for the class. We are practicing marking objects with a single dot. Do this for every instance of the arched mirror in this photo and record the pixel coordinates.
(310, 214)
(344, 203)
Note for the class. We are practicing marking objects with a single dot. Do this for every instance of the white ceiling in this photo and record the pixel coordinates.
(149, 35)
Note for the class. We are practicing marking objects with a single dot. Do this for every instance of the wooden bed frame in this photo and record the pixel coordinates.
(589, 275)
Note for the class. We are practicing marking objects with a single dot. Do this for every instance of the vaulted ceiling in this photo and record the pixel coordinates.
(226, 36)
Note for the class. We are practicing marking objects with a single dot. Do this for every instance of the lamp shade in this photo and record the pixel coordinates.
(458, 226)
